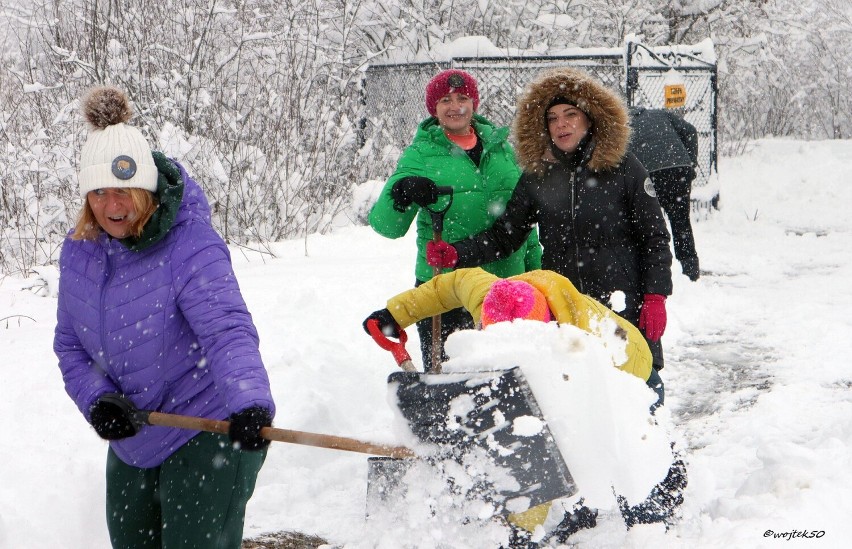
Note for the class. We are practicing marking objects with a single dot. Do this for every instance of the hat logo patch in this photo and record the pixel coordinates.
(455, 81)
(123, 167)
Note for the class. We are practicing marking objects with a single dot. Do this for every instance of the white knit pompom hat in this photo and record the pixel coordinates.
(115, 154)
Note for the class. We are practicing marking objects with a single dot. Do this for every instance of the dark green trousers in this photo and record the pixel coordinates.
(195, 500)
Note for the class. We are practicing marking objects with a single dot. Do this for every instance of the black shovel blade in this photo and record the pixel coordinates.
(463, 411)
(384, 482)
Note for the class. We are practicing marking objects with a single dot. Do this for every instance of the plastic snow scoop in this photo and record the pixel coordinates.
(437, 216)
(146, 417)
(493, 411)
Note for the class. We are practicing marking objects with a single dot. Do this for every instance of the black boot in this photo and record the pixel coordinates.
(663, 502)
(521, 539)
(579, 518)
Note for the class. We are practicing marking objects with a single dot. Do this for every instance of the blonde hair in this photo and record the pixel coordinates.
(144, 203)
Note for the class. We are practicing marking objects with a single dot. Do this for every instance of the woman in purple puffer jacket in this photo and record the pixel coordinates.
(150, 316)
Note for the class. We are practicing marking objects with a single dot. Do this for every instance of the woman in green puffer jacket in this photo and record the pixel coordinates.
(458, 148)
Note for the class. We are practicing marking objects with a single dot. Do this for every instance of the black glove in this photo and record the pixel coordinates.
(689, 266)
(244, 431)
(420, 190)
(387, 323)
(112, 417)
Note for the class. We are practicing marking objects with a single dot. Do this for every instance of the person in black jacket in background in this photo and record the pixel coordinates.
(667, 145)
(599, 222)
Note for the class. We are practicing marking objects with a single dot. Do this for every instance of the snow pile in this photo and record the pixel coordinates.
(598, 414)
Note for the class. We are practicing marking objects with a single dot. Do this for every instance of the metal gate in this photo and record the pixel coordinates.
(394, 95)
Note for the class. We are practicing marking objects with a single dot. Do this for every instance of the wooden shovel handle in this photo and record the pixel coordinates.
(437, 216)
(281, 435)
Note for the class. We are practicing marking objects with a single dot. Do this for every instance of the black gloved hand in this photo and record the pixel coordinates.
(244, 431)
(387, 323)
(689, 266)
(420, 190)
(111, 416)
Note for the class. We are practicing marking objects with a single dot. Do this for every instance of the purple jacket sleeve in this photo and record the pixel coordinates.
(84, 381)
(209, 297)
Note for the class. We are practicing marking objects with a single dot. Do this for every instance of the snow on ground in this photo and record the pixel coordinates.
(758, 378)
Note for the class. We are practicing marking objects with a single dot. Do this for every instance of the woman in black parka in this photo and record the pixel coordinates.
(599, 222)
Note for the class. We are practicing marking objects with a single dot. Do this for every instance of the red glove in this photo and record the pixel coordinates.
(652, 317)
(441, 255)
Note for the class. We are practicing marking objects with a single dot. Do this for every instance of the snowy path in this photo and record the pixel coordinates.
(716, 373)
(759, 358)
(720, 366)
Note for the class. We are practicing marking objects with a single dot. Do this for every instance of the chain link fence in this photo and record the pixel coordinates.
(394, 97)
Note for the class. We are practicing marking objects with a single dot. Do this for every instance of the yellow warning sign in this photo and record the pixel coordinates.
(675, 95)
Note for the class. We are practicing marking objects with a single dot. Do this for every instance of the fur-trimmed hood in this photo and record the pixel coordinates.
(606, 109)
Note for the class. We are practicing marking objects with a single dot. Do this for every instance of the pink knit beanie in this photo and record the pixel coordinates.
(511, 299)
(447, 82)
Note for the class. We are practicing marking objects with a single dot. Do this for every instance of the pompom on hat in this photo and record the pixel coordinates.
(511, 299)
(447, 82)
(115, 154)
